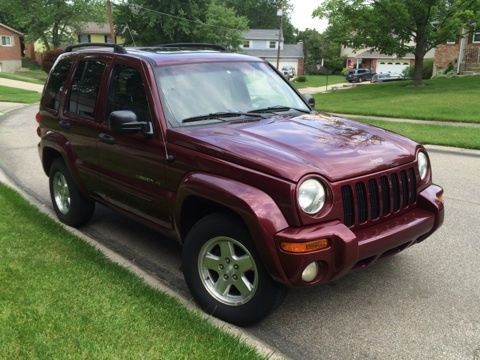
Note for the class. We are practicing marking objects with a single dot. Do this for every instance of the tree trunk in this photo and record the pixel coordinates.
(418, 72)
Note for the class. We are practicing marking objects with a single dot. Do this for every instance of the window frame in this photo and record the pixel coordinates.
(10, 38)
(270, 44)
(475, 34)
(248, 43)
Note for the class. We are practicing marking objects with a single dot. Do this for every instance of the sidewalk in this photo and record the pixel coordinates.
(21, 85)
(333, 87)
(412, 121)
(6, 107)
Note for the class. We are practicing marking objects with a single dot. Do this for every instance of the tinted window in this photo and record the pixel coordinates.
(55, 84)
(85, 85)
(127, 92)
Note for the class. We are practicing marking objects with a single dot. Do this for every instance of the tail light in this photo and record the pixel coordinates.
(38, 117)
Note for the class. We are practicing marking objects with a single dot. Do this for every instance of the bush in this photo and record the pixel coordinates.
(427, 70)
(49, 58)
(450, 69)
(301, 79)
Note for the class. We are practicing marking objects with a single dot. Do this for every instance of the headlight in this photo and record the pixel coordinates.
(422, 165)
(311, 196)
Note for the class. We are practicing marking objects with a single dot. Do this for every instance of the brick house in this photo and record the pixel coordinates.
(10, 49)
(263, 43)
(467, 47)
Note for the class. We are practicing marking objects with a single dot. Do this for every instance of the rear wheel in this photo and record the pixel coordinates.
(70, 205)
(224, 273)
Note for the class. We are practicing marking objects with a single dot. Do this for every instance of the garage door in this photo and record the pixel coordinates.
(391, 66)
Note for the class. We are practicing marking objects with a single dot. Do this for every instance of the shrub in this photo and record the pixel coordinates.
(301, 79)
(427, 70)
(49, 58)
(450, 69)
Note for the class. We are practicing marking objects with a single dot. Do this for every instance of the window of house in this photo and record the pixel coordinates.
(6, 40)
(85, 85)
(476, 37)
(127, 92)
(56, 82)
(246, 44)
(272, 44)
(107, 39)
(84, 38)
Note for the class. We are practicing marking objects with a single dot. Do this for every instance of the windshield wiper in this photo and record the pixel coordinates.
(277, 108)
(219, 116)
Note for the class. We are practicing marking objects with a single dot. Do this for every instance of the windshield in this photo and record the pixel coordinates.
(206, 89)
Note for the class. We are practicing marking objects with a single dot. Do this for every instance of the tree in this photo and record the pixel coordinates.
(319, 46)
(52, 21)
(397, 27)
(154, 22)
(262, 14)
(222, 26)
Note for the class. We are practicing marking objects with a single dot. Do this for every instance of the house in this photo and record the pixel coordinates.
(10, 49)
(378, 62)
(264, 43)
(467, 48)
(92, 32)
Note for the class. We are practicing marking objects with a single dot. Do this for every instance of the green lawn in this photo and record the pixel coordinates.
(9, 94)
(461, 137)
(62, 299)
(319, 81)
(33, 76)
(454, 99)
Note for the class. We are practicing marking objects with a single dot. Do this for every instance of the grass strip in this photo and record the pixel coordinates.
(9, 94)
(451, 99)
(319, 81)
(461, 137)
(62, 299)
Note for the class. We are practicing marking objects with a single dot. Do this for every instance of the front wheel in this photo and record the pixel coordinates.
(70, 205)
(224, 273)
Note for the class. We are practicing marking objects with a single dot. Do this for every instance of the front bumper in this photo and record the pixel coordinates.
(360, 248)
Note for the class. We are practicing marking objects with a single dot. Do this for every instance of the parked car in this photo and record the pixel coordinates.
(386, 77)
(288, 71)
(219, 152)
(359, 75)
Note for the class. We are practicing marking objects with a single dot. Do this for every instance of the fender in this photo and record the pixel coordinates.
(58, 142)
(258, 210)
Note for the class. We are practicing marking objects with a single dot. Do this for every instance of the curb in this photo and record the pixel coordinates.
(262, 348)
(18, 106)
(453, 150)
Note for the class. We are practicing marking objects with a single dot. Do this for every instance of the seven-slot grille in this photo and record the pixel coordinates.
(370, 200)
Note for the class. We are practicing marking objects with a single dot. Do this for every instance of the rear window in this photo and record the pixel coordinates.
(56, 82)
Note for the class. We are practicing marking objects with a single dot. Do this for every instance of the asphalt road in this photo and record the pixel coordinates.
(421, 304)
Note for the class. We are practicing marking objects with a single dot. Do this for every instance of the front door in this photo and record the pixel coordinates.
(133, 164)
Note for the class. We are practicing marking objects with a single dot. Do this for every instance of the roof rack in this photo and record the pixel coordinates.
(116, 48)
(192, 46)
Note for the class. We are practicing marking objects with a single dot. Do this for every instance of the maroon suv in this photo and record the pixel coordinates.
(218, 151)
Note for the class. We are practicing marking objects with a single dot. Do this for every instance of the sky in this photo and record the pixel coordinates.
(302, 15)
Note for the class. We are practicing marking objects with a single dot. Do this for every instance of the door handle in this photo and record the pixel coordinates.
(107, 139)
(65, 124)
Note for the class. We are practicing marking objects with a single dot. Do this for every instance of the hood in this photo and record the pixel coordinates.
(291, 147)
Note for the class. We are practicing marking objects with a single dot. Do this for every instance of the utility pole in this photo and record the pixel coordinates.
(280, 13)
(110, 21)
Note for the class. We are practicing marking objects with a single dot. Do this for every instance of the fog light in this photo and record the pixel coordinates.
(310, 272)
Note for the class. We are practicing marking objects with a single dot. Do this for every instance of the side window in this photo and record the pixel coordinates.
(127, 92)
(55, 84)
(85, 85)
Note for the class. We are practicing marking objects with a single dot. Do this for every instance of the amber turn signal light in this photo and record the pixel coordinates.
(304, 247)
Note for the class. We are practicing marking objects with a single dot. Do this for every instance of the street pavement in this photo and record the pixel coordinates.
(421, 304)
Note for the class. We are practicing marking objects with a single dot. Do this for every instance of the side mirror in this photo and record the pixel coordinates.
(125, 121)
(310, 100)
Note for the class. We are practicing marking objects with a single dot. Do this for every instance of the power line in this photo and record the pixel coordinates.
(135, 7)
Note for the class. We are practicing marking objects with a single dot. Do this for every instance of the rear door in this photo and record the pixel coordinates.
(79, 119)
(133, 165)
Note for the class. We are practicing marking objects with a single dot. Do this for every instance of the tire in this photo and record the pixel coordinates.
(70, 205)
(360, 79)
(218, 255)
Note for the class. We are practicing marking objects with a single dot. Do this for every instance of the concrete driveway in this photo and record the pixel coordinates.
(421, 304)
